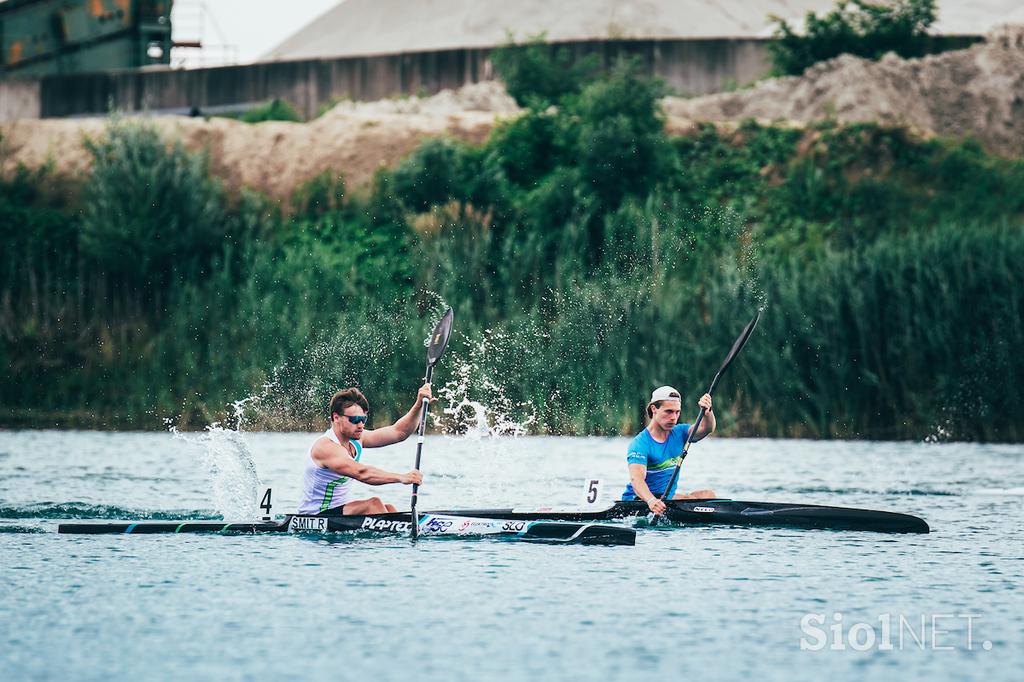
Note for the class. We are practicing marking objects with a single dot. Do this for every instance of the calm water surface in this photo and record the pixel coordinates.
(714, 601)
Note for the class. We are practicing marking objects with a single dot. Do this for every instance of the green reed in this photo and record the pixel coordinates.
(887, 267)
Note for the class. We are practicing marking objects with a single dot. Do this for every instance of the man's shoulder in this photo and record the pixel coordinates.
(640, 442)
(325, 447)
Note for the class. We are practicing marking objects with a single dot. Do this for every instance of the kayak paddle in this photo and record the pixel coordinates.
(438, 342)
(736, 348)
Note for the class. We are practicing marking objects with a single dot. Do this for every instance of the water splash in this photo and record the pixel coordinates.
(746, 259)
(234, 481)
(354, 354)
(476, 405)
(437, 305)
(293, 397)
(238, 408)
(941, 433)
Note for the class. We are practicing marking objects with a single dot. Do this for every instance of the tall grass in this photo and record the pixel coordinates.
(909, 337)
(588, 257)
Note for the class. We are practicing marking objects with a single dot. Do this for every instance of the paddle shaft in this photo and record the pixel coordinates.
(424, 408)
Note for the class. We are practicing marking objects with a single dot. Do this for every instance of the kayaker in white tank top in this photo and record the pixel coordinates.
(323, 489)
(333, 460)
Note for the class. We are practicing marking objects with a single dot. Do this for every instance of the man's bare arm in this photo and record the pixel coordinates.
(336, 458)
(401, 429)
(638, 477)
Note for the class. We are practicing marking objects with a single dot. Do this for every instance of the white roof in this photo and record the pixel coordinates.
(366, 27)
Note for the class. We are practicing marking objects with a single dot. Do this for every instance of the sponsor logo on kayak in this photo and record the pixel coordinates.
(892, 632)
(483, 526)
(704, 509)
(386, 525)
(307, 524)
(436, 525)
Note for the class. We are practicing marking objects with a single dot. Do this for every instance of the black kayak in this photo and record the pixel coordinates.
(578, 526)
(398, 523)
(728, 512)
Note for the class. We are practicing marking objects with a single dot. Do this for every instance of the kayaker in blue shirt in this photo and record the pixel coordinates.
(653, 454)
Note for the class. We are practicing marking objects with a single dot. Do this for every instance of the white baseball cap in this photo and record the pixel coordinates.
(665, 393)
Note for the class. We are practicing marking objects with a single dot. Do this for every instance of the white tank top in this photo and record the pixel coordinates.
(322, 488)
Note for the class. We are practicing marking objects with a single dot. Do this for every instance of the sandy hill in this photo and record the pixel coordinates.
(978, 91)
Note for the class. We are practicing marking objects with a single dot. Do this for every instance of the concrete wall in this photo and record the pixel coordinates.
(19, 98)
(306, 84)
(690, 67)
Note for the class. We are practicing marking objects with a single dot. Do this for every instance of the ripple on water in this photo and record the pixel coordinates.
(27, 530)
(733, 596)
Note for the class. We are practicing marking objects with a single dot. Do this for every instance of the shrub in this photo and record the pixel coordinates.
(38, 233)
(538, 75)
(323, 192)
(527, 148)
(617, 137)
(150, 210)
(274, 110)
(858, 27)
(440, 170)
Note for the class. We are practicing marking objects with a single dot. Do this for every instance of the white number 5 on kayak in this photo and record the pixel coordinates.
(592, 492)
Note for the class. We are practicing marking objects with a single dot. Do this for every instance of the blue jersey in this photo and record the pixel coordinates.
(659, 458)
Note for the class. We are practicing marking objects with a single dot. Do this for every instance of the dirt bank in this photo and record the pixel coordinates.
(978, 91)
(274, 157)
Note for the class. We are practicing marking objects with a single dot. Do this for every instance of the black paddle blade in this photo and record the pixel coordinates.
(439, 338)
(736, 348)
(741, 341)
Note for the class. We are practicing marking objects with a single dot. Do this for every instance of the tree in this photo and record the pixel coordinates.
(860, 28)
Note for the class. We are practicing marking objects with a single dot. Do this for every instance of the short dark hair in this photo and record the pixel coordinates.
(342, 400)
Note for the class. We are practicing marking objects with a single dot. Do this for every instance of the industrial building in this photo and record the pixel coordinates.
(370, 49)
(44, 37)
